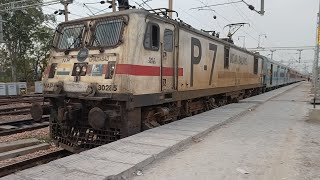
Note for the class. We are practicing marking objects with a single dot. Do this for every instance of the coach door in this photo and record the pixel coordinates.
(167, 58)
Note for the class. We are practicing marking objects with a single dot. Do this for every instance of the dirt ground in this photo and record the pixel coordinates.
(275, 141)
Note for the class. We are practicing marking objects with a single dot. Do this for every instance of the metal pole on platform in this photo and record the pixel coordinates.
(316, 61)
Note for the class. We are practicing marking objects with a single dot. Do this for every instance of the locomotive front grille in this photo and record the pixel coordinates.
(77, 139)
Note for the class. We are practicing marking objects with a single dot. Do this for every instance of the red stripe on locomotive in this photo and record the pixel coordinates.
(89, 70)
(138, 70)
(105, 69)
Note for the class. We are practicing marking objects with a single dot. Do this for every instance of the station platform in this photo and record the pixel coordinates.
(262, 137)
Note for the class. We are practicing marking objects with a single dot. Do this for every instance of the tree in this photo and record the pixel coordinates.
(40, 52)
(27, 41)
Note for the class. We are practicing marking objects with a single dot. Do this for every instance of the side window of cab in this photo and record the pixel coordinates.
(152, 37)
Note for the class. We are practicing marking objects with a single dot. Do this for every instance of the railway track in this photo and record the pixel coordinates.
(8, 128)
(7, 101)
(15, 111)
(21, 96)
(32, 162)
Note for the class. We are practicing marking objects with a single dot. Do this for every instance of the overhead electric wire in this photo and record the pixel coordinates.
(221, 4)
(11, 5)
(228, 20)
(84, 4)
(196, 20)
(101, 11)
(69, 12)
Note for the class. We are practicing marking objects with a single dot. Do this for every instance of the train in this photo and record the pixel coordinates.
(114, 75)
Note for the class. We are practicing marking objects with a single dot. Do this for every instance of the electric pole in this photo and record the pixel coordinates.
(262, 8)
(66, 18)
(113, 5)
(272, 51)
(316, 60)
(170, 7)
(66, 11)
(300, 51)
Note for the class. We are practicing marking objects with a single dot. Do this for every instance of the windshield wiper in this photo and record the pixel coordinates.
(73, 43)
(59, 32)
(95, 39)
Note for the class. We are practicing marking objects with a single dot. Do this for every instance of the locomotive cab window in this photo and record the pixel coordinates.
(152, 37)
(70, 37)
(168, 40)
(226, 57)
(108, 33)
(255, 65)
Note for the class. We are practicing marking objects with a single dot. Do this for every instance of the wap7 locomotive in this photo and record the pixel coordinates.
(117, 74)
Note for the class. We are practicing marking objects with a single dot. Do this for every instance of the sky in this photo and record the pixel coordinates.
(286, 23)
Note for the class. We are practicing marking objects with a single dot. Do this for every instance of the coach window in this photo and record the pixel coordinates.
(226, 57)
(255, 65)
(168, 40)
(152, 37)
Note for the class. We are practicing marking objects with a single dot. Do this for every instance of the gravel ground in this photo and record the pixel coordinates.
(274, 141)
(28, 156)
(11, 118)
(41, 134)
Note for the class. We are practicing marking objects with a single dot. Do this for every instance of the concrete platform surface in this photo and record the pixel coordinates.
(123, 158)
(271, 94)
(274, 141)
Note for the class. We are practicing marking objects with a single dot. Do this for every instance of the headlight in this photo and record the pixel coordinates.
(84, 69)
(78, 69)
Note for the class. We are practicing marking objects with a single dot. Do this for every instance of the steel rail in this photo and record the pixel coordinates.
(31, 126)
(21, 165)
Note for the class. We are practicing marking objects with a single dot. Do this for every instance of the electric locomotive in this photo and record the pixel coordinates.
(114, 75)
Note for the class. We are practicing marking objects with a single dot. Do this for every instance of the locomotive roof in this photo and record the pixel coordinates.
(146, 13)
(109, 14)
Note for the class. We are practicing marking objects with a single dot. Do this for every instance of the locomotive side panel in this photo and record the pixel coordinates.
(143, 65)
(247, 68)
(198, 57)
(151, 57)
(209, 64)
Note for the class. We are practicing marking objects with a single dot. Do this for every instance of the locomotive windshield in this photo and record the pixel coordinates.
(107, 33)
(70, 37)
